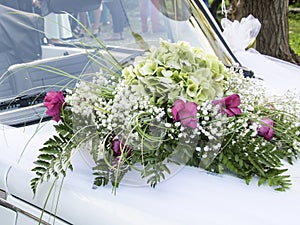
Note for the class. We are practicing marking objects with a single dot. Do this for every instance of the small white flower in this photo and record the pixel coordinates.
(168, 125)
(206, 149)
(177, 124)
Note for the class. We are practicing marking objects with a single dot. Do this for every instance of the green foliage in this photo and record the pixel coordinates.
(294, 31)
(123, 130)
(247, 161)
(155, 173)
(112, 170)
(54, 157)
(109, 170)
(248, 157)
(102, 173)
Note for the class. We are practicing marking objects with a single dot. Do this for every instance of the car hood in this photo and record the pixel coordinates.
(189, 196)
(279, 76)
(17, 147)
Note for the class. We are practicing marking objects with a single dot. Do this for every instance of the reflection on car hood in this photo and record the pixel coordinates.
(192, 188)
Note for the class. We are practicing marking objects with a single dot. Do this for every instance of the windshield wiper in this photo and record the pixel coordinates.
(23, 110)
(21, 101)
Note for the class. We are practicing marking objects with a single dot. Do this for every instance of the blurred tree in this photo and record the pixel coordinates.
(273, 38)
(214, 6)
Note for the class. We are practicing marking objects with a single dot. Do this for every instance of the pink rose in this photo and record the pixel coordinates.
(229, 105)
(54, 102)
(186, 113)
(119, 146)
(266, 129)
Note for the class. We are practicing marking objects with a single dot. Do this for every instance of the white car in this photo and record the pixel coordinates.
(190, 196)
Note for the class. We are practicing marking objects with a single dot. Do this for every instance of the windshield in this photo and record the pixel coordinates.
(30, 68)
(143, 23)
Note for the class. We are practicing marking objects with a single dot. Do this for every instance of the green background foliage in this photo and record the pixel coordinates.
(294, 31)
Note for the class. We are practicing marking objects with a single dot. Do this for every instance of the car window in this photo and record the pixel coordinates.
(171, 20)
(131, 30)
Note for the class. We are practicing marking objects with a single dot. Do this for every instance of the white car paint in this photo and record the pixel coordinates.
(191, 196)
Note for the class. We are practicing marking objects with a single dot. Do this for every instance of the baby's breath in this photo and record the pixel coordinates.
(135, 120)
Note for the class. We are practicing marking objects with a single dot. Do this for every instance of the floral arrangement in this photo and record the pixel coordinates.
(175, 105)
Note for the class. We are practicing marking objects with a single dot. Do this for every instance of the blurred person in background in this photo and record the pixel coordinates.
(119, 20)
(104, 15)
(149, 9)
(95, 27)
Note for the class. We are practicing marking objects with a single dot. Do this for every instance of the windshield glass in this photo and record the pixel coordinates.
(30, 68)
(140, 24)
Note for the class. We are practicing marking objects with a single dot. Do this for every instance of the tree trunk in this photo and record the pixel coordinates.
(273, 38)
(214, 6)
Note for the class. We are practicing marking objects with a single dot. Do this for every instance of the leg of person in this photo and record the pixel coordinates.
(104, 15)
(74, 23)
(144, 11)
(96, 25)
(83, 21)
(118, 19)
(155, 17)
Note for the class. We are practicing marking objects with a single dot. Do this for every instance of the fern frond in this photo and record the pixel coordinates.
(54, 157)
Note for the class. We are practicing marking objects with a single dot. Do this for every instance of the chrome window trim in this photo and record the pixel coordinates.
(3, 194)
(229, 56)
(16, 209)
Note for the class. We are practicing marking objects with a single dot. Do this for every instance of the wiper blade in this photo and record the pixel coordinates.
(21, 101)
(23, 110)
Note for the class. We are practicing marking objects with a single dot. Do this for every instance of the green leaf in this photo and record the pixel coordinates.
(39, 168)
(46, 157)
(54, 157)
(140, 41)
(42, 163)
(261, 181)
